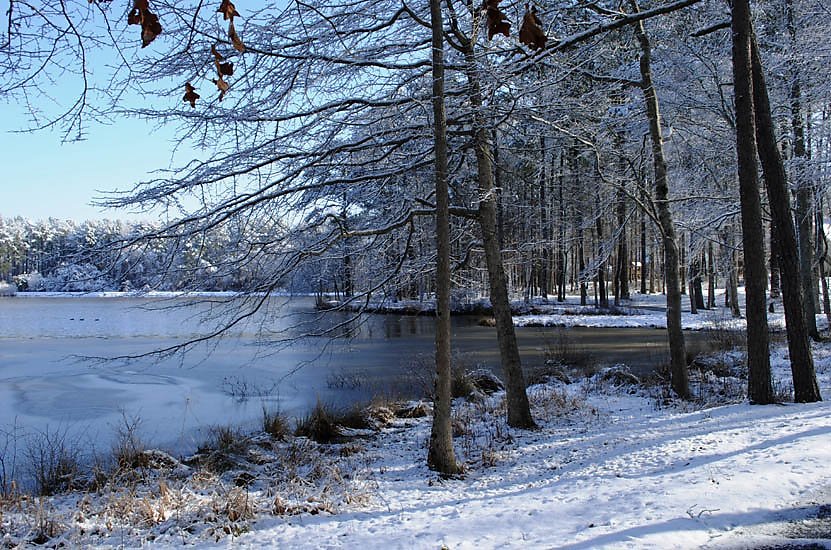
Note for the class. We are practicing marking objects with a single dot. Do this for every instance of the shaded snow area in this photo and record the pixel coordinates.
(613, 465)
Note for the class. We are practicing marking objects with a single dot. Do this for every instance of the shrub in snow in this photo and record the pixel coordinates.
(29, 281)
(485, 381)
(619, 375)
(414, 409)
(77, 278)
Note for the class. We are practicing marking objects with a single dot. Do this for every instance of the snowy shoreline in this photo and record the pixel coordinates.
(612, 466)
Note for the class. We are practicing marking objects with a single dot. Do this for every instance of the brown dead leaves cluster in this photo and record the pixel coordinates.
(141, 15)
(496, 21)
(223, 68)
(149, 21)
(190, 94)
(229, 11)
(531, 33)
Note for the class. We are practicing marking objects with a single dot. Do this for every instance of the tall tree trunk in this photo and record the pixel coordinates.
(732, 289)
(441, 456)
(804, 217)
(622, 269)
(700, 263)
(696, 292)
(693, 301)
(346, 263)
(601, 269)
(678, 359)
(804, 194)
(545, 226)
(822, 258)
(562, 259)
(711, 277)
(652, 262)
(643, 248)
(497, 175)
(799, 348)
(581, 250)
(519, 409)
(682, 247)
(581, 258)
(760, 388)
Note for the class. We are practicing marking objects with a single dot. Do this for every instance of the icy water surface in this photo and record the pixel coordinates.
(44, 383)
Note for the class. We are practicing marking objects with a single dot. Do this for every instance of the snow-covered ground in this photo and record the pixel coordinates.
(611, 466)
(642, 310)
(610, 470)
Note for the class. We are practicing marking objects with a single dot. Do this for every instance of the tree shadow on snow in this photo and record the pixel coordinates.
(722, 523)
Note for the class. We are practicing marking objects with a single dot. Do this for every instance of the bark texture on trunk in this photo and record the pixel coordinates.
(804, 194)
(760, 387)
(799, 347)
(678, 360)
(622, 264)
(644, 260)
(440, 455)
(711, 277)
(603, 296)
(519, 410)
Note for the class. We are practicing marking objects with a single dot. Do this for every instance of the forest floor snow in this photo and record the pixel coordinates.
(610, 467)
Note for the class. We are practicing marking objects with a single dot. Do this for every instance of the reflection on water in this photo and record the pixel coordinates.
(178, 397)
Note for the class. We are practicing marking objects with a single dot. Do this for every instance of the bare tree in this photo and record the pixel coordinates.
(806, 389)
(760, 389)
(441, 456)
(678, 359)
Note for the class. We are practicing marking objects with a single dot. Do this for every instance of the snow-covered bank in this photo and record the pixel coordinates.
(629, 476)
(615, 467)
(643, 310)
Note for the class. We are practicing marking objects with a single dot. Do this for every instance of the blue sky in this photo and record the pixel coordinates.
(43, 177)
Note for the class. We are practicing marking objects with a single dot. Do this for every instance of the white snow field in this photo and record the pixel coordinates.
(629, 476)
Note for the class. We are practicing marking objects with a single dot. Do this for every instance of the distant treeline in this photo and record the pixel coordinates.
(104, 255)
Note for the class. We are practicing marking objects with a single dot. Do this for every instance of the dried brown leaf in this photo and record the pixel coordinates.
(222, 85)
(235, 39)
(150, 27)
(134, 17)
(226, 69)
(190, 94)
(228, 10)
(496, 21)
(531, 33)
(217, 56)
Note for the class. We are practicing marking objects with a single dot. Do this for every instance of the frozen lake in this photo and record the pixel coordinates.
(44, 383)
